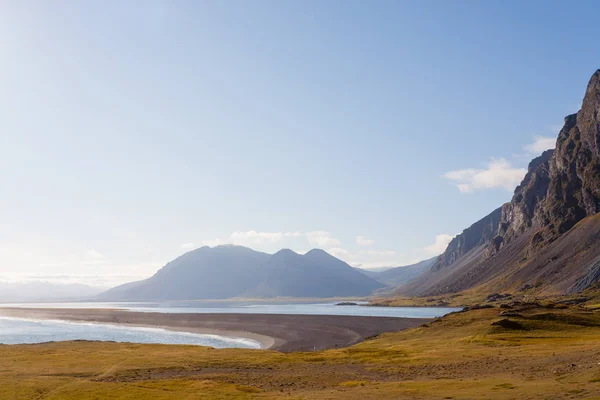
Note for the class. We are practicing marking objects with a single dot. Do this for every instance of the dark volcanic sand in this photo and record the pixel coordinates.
(275, 331)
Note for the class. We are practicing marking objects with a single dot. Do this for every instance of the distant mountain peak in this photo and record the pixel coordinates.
(317, 252)
(286, 252)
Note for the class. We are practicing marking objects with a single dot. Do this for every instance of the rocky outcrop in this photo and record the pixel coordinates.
(480, 233)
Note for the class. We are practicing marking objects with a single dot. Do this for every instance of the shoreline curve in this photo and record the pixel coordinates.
(281, 332)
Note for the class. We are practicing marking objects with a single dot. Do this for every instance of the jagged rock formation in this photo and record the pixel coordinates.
(547, 237)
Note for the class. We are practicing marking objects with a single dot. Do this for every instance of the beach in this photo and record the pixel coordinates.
(274, 331)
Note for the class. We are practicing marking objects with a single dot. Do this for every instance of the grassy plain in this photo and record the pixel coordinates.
(529, 352)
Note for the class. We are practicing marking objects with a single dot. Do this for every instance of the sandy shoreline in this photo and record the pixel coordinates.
(281, 332)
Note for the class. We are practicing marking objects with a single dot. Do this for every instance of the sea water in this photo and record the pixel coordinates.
(253, 307)
(20, 331)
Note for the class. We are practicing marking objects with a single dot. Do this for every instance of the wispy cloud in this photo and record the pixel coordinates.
(213, 242)
(540, 144)
(188, 246)
(441, 242)
(261, 237)
(364, 241)
(499, 174)
(321, 239)
(370, 258)
(94, 254)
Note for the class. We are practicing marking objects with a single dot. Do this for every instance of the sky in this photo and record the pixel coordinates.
(132, 132)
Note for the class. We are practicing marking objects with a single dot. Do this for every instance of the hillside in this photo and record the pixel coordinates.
(546, 240)
(233, 271)
(402, 275)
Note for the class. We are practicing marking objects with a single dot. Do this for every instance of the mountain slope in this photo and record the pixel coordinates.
(205, 273)
(315, 274)
(402, 275)
(548, 236)
(234, 271)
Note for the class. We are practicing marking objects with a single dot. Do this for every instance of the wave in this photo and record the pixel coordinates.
(204, 339)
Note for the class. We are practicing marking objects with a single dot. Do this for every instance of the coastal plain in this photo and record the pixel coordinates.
(498, 351)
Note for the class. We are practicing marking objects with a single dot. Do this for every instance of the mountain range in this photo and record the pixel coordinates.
(546, 240)
(234, 271)
(40, 291)
(397, 276)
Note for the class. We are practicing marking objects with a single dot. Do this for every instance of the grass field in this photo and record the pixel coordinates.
(541, 352)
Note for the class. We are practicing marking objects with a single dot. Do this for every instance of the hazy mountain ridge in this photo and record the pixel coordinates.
(397, 276)
(233, 271)
(547, 238)
(403, 275)
(39, 291)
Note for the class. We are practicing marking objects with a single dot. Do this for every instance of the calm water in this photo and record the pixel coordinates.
(17, 330)
(221, 307)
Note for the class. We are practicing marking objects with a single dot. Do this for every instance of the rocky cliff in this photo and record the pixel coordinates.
(523, 211)
(548, 235)
(563, 186)
(480, 233)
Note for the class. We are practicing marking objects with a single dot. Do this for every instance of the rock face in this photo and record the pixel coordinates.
(574, 191)
(547, 237)
(523, 211)
(480, 233)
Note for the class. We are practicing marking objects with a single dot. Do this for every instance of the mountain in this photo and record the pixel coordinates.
(371, 273)
(547, 238)
(233, 271)
(477, 235)
(402, 275)
(45, 291)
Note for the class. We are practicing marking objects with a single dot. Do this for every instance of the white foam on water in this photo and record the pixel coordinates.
(14, 330)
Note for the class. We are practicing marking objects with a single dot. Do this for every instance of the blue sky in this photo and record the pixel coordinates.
(130, 134)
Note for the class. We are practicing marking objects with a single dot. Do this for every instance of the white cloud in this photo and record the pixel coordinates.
(499, 174)
(213, 243)
(92, 257)
(340, 253)
(441, 242)
(364, 241)
(367, 258)
(187, 246)
(94, 254)
(540, 144)
(321, 239)
(254, 237)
